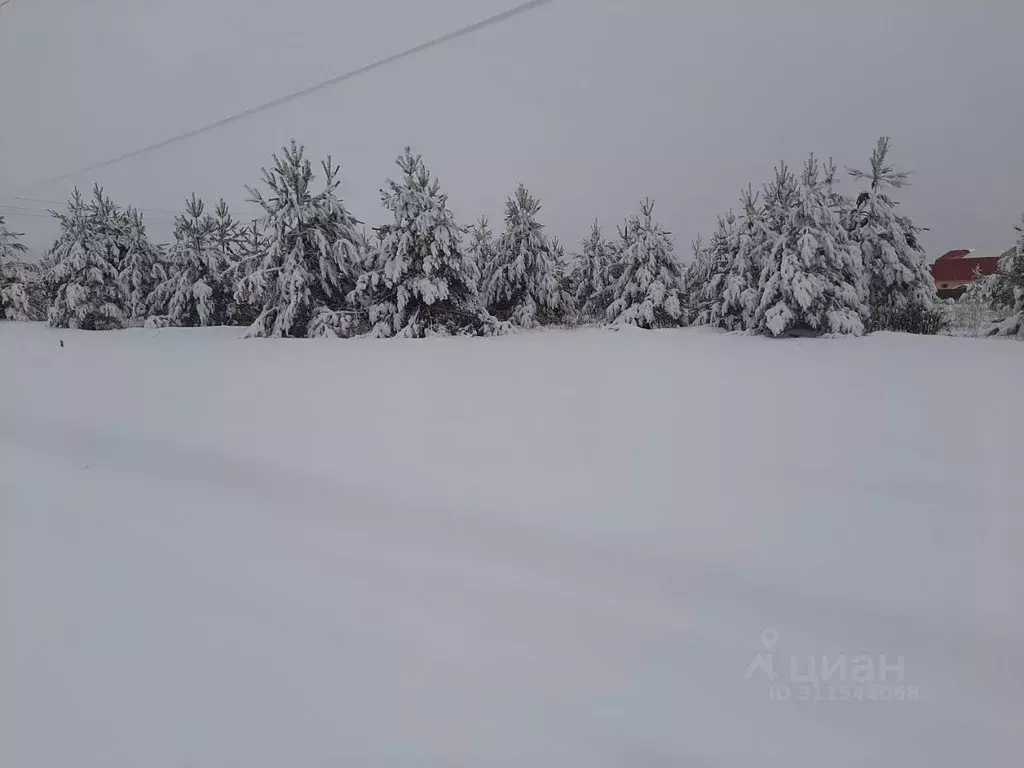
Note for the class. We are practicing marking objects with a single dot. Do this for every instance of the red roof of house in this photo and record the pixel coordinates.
(959, 265)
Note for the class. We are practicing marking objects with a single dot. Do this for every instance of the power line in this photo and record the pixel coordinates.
(4, 2)
(446, 38)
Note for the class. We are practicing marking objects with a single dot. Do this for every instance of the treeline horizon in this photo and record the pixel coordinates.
(799, 258)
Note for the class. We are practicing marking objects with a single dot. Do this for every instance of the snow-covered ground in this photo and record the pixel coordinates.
(550, 549)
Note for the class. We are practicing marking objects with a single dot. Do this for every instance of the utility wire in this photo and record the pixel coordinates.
(446, 38)
(4, 2)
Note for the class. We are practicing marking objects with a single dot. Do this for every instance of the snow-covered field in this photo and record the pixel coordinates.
(549, 549)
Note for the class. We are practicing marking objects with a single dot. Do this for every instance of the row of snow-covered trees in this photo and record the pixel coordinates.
(311, 270)
(799, 258)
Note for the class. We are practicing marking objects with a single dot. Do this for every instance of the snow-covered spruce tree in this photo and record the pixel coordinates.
(227, 233)
(842, 204)
(719, 257)
(479, 252)
(141, 264)
(594, 276)
(44, 286)
(566, 279)
(648, 293)
(525, 284)
(86, 272)
(300, 284)
(901, 286)
(251, 248)
(229, 242)
(1008, 290)
(195, 291)
(417, 283)
(695, 274)
(740, 297)
(15, 277)
(813, 279)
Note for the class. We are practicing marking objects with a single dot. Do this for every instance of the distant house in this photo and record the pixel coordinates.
(953, 271)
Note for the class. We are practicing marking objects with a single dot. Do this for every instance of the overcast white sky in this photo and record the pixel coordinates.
(592, 103)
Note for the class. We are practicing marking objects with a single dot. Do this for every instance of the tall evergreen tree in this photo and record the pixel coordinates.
(813, 278)
(720, 257)
(45, 284)
(695, 275)
(15, 277)
(416, 283)
(87, 254)
(228, 234)
(525, 285)
(566, 273)
(889, 243)
(301, 283)
(595, 276)
(740, 297)
(480, 252)
(251, 248)
(141, 266)
(196, 290)
(648, 293)
(1008, 290)
(230, 242)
